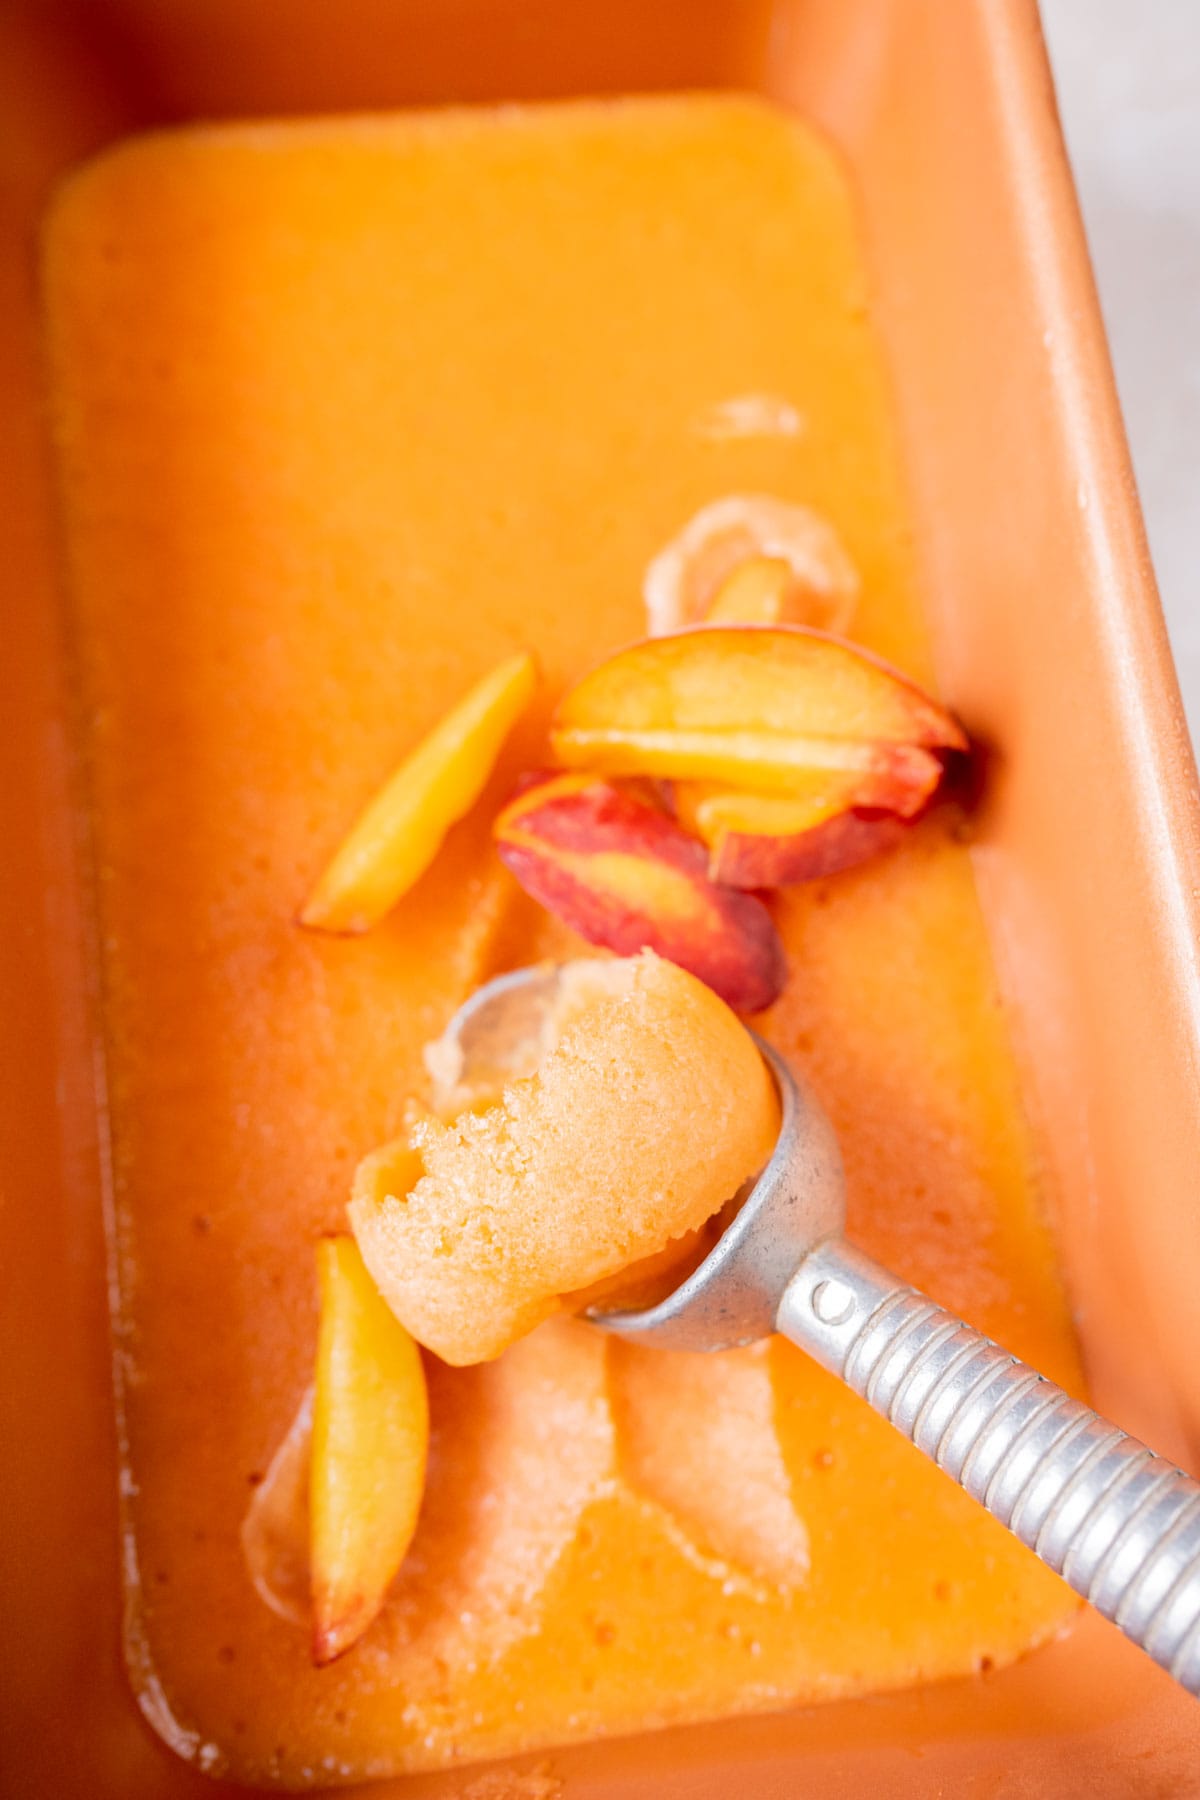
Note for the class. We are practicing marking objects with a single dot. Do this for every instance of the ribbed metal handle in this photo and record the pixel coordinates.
(1117, 1522)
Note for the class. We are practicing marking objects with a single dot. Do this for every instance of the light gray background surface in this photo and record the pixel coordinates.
(1128, 78)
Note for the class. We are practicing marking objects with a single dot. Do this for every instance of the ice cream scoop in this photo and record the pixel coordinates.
(1119, 1523)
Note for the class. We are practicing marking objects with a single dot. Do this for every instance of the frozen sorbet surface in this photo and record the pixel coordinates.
(348, 413)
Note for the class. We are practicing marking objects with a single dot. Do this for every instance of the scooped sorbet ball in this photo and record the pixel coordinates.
(649, 1108)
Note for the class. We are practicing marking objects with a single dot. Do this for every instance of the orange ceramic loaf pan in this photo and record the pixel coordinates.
(1050, 643)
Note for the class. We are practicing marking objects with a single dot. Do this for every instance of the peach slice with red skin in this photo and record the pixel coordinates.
(776, 840)
(621, 873)
(758, 707)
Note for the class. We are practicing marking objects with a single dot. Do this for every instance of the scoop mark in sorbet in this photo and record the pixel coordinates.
(686, 583)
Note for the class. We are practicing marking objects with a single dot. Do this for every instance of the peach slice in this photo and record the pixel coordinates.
(370, 1437)
(757, 707)
(647, 1113)
(622, 874)
(525, 1447)
(401, 830)
(683, 581)
(759, 592)
(775, 840)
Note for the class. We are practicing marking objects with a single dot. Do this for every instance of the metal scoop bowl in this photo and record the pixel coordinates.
(1120, 1524)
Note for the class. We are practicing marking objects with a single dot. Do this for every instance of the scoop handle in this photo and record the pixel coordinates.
(1118, 1523)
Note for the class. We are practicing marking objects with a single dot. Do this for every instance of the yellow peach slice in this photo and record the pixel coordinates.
(645, 1117)
(759, 592)
(684, 579)
(773, 840)
(755, 707)
(370, 1438)
(401, 830)
(710, 811)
